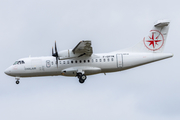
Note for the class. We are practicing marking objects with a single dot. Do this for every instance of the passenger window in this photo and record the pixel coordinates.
(64, 62)
(72, 62)
(59, 62)
(67, 62)
(80, 61)
(88, 60)
(108, 59)
(96, 60)
(52, 63)
(92, 60)
(84, 61)
(104, 60)
(112, 59)
(99, 60)
(76, 61)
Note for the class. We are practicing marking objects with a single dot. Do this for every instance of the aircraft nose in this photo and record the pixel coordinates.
(7, 71)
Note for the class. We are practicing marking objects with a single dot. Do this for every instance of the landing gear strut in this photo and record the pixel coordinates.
(82, 77)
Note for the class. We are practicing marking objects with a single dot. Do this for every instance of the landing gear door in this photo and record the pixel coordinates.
(119, 58)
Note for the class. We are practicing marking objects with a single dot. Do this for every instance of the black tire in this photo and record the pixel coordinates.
(81, 81)
(83, 77)
(17, 82)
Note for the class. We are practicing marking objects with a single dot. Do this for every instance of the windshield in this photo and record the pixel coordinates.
(19, 62)
(15, 63)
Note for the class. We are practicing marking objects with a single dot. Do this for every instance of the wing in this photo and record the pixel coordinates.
(83, 48)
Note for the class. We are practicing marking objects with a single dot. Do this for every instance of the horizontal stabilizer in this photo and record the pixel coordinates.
(162, 23)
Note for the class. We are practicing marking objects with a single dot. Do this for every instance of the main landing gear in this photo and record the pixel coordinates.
(17, 80)
(82, 77)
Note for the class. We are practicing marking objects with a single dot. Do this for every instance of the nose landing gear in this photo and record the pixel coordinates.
(17, 80)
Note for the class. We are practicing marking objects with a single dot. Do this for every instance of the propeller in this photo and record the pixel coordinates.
(55, 54)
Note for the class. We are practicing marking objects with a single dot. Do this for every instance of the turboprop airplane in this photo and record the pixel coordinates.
(81, 61)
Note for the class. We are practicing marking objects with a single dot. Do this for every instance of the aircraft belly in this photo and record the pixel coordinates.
(50, 72)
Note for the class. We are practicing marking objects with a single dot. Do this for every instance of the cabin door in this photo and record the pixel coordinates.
(119, 58)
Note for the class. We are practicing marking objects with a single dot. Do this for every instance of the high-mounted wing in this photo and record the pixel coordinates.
(84, 48)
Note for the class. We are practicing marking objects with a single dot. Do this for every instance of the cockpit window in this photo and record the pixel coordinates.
(15, 63)
(19, 62)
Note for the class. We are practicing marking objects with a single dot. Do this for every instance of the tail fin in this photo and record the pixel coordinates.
(156, 39)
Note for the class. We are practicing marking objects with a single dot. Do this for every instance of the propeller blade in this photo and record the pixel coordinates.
(56, 49)
(52, 51)
(57, 61)
(55, 54)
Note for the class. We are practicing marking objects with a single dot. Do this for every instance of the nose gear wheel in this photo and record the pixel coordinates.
(17, 82)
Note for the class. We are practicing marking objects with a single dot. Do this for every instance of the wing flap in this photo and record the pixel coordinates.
(83, 47)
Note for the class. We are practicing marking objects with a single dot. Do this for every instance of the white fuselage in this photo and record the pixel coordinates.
(97, 63)
(80, 61)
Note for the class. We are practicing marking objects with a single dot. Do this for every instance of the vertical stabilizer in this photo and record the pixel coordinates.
(155, 41)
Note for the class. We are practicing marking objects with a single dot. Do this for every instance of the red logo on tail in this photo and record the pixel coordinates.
(155, 41)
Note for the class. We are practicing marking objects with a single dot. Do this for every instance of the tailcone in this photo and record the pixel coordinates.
(160, 56)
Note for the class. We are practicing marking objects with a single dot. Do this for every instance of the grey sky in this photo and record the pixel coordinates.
(30, 28)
